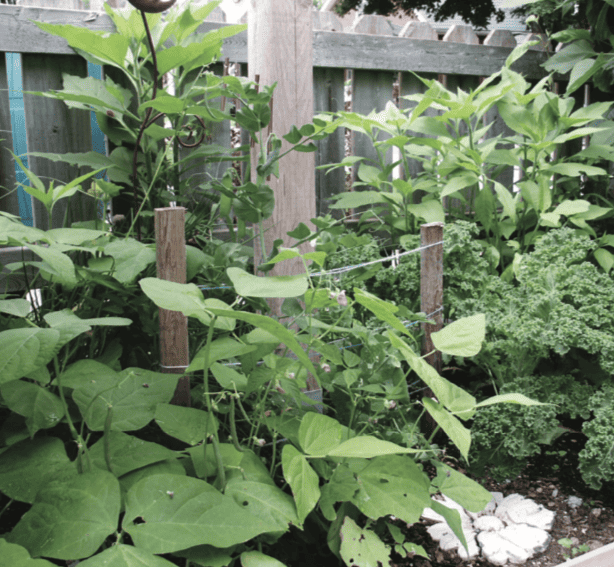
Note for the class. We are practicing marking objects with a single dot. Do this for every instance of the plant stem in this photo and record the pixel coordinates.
(107, 440)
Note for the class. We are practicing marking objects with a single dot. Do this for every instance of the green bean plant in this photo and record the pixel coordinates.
(461, 166)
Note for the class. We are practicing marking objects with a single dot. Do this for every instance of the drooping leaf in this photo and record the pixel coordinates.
(15, 307)
(463, 337)
(258, 559)
(383, 310)
(319, 434)
(219, 349)
(249, 285)
(29, 465)
(166, 513)
(302, 479)
(519, 399)
(190, 425)
(132, 397)
(367, 447)
(24, 350)
(70, 518)
(265, 501)
(39, 406)
(450, 395)
(392, 484)
(18, 556)
(362, 546)
(122, 555)
(453, 428)
(127, 453)
(460, 488)
(131, 258)
(228, 378)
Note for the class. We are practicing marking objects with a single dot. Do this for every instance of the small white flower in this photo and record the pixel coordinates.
(260, 442)
(290, 375)
(313, 242)
(326, 367)
(390, 404)
(342, 299)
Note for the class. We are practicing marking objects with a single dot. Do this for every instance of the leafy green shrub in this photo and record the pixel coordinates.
(504, 437)
(597, 457)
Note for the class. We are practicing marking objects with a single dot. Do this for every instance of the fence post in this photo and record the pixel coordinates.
(171, 266)
(431, 287)
(280, 48)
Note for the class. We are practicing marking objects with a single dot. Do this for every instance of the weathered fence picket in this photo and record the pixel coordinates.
(376, 61)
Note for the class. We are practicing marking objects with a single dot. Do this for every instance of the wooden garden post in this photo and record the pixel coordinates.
(431, 287)
(279, 40)
(171, 266)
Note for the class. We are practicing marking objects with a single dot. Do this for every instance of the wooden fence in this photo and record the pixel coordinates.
(376, 57)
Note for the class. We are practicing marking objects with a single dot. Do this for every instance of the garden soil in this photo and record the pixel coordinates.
(549, 480)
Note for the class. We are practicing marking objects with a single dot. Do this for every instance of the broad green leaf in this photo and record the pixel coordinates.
(248, 285)
(506, 199)
(463, 490)
(122, 555)
(228, 378)
(185, 56)
(510, 399)
(318, 434)
(167, 513)
(383, 310)
(575, 169)
(167, 104)
(29, 465)
(550, 219)
(58, 265)
(284, 254)
(392, 485)
(190, 425)
(186, 298)
(89, 93)
(463, 337)
(605, 259)
(362, 546)
(75, 236)
(230, 457)
(70, 518)
(219, 349)
(127, 453)
(575, 207)
(355, 199)
(84, 372)
(195, 259)
(24, 350)
(302, 479)
(39, 406)
(450, 395)
(208, 555)
(459, 182)
(132, 398)
(452, 518)
(111, 49)
(131, 258)
(266, 502)
(16, 307)
(169, 466)
(258, 559)
(453, 428)
(340, 488)
(367, 447)
(274, 328)
(430, 211)
(14, 555)
(582, 71)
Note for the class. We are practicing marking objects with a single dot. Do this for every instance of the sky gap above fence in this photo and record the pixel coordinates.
(331, 49)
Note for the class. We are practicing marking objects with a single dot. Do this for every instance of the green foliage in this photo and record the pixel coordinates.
(505, 437)
(597, 459)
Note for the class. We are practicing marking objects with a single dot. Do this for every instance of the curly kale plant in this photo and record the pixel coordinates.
(557, 313)
(504, 437)
(597, 457)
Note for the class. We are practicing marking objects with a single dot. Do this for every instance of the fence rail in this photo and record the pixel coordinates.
(376, 62)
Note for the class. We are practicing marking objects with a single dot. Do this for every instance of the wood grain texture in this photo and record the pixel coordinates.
(53, 127)
(431, 287)
(275, 25)
(330, 48)
(328, 94)
(8, 197)
(171, 266)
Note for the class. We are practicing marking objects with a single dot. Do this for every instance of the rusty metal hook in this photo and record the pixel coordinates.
(152, 6)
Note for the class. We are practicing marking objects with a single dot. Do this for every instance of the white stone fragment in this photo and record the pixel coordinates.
(529, 512)
(488, 524)
(574, 501)
(505, 505)
(533, 539)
